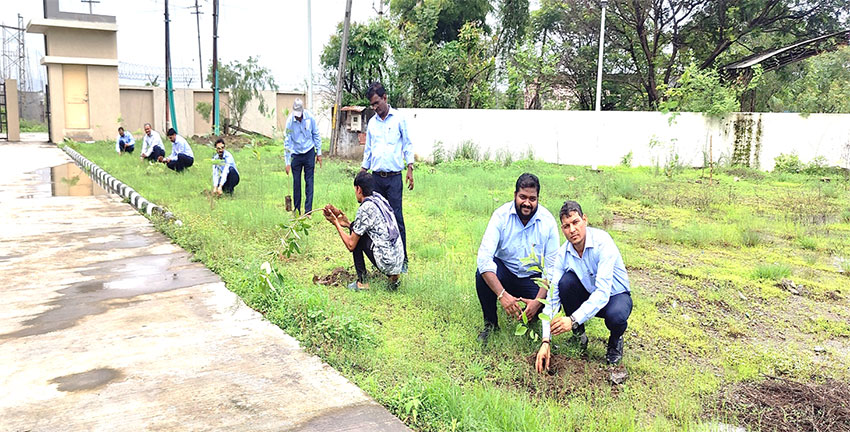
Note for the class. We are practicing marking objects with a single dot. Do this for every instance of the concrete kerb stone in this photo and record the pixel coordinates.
(113, 185)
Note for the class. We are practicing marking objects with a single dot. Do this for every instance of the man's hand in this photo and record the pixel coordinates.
(319, 160)
(509, 303)
(329, 214)
(410, 177)
(531, 307)
(218, 191)
(161, 159)
(561, 325)
(543, 356)
(288, 168)
(343, 221)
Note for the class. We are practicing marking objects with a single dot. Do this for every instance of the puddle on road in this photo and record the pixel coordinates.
(69, 180)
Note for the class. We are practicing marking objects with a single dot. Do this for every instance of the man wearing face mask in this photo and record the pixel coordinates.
(516, 229)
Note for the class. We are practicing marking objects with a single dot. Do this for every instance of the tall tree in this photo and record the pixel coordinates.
(369, 59)
(453, 14)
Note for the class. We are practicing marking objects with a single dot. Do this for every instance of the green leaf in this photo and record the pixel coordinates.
(544, 317)
(520, 330)
(524, 318)
(543, 301)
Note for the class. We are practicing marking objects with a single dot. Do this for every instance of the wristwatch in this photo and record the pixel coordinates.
(575, 323)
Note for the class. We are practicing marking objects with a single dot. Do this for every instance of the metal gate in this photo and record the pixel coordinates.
(4, 119)
(47, 112)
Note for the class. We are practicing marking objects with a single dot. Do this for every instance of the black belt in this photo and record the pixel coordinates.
(386, 173)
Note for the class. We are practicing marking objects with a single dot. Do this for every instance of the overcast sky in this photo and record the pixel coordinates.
(276, 31)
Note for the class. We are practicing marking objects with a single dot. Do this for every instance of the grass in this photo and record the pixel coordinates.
(32, 126)
(707, 312)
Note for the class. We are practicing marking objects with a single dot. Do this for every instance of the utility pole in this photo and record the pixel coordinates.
(343, 54)
(169, 85)
(599, 62)
(379, 9)
(216, 118)
(198, 14)
(310, 56)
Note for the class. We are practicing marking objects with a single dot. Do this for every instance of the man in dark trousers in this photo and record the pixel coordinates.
(388, 149)
(302, 149)
(589, 280)
(181, 154)
(518, 230)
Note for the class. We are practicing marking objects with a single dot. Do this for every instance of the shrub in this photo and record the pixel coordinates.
(750, 237)
(787, 163)
(808, 243)
(845, 216)
(468, 150)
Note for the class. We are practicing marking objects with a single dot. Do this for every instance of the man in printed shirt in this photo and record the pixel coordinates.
(515, 230)
(374, 233)
(181, 154)
(388, 147)
(302, 149)
(589, 280)
(152, 148)
(125, 142)
(225, 176)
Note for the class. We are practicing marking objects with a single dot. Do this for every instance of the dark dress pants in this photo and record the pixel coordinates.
(232, 181)
(127, 148)
(155, 154)
(513, 285)
(391, 187)
(307, 163)
(182, 162)
(615, 313)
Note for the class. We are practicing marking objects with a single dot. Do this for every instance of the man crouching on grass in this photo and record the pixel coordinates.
(589, 280)
(374, 233)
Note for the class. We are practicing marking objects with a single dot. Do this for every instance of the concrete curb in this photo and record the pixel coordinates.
(112, 184)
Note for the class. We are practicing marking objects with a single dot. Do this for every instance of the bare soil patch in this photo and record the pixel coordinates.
(780, 405)
(567, 376)
(338, 276)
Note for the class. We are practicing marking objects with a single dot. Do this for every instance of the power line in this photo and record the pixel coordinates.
(150, 74)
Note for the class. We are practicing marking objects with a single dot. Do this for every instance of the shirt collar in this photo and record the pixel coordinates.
(512, 211)
(588, 243)
(390, 112)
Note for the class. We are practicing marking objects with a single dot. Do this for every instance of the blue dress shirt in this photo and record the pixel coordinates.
(600, 269)
(151, 141)
(509, 240)
(180, 146)
(301, 136)
(388, 143)
(127, 139)
(220, 171)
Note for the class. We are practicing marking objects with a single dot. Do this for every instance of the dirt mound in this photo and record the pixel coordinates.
(779, 405)
(567, 376)
(337, 276)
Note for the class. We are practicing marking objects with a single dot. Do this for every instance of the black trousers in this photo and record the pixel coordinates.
(155, 154)
(182, 162)
(515, 286)
(127, 148)
(391, 188)
(307, 163)
(364, 247)
(615, 313)
(232, 181)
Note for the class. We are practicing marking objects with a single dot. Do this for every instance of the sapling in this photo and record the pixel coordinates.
(536, 264)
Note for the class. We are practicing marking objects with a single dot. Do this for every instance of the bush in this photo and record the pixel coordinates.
(750, 237)
(845, 216)
(808, 243)
(468, 150)
(787, 163)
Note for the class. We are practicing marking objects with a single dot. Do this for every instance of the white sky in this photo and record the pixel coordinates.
(274, 30)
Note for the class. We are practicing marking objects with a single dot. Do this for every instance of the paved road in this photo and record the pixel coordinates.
(105, 325)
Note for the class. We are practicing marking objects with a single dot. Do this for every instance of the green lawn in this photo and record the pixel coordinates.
(704, 261)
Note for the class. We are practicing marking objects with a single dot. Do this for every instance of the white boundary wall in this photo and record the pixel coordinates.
(591, 138)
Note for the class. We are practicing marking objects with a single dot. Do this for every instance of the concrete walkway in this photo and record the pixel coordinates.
(107, 326)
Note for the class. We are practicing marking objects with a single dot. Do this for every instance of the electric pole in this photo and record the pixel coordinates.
(169, 85)
(90, 4)
(197, 14)
(310, 56)
(216, 118)
(343, 54)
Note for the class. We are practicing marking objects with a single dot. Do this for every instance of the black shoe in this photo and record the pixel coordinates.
(615, 350)
(485, 334)
(393, 285)
(582, 337)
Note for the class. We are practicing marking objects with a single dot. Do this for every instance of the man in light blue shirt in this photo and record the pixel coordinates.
(181, 154)
(518, 230)
(125, 142)
(152, 148)
(302, 149)
(589, 279)
(388, 148)
(225, 176)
